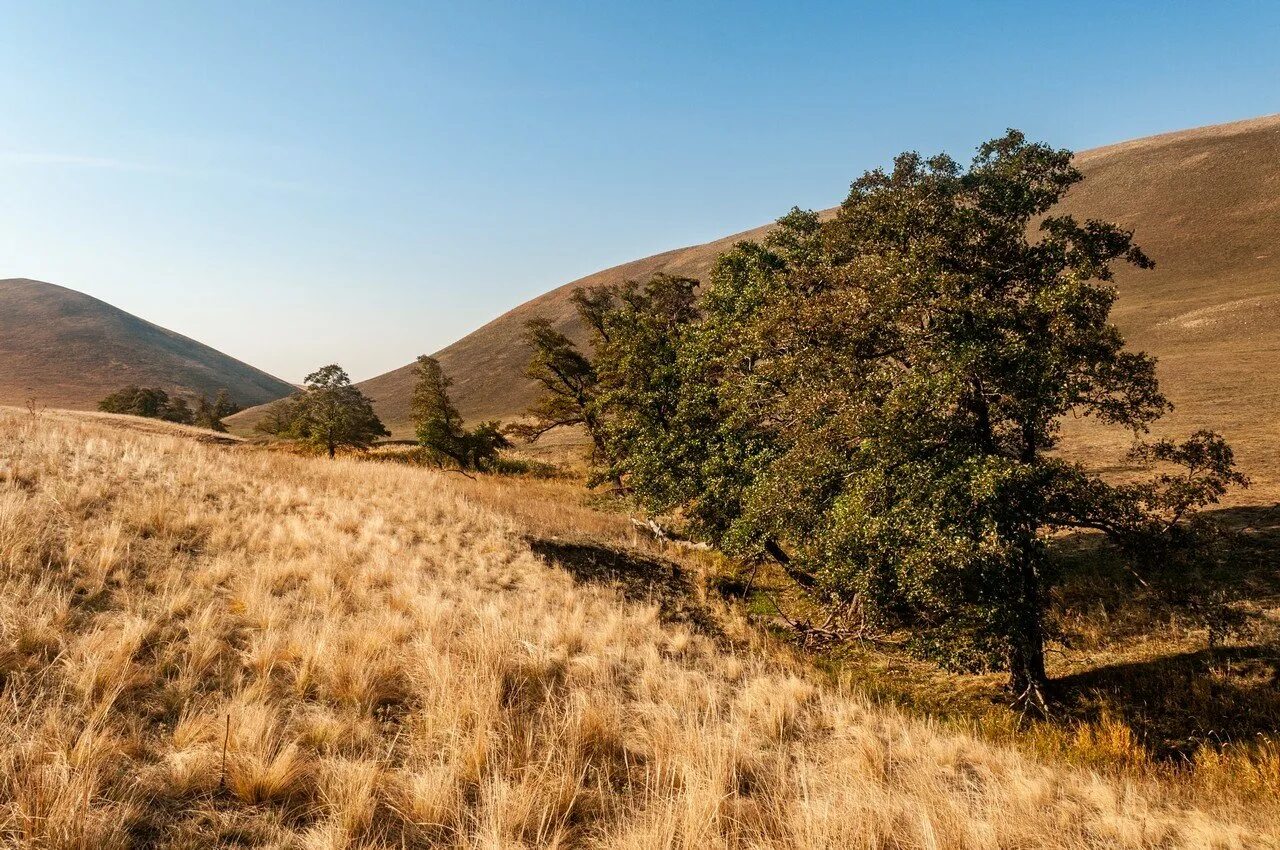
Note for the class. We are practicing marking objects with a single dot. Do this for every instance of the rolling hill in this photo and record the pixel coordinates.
(62, 348)
(1204, 203)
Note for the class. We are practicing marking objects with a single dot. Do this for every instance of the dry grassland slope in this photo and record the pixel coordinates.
(205, 645)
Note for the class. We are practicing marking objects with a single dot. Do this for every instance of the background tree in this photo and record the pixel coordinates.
(439, 426)
(627, 323)
(437, 423)
(331, 414)
(639, 332)
(277, 417)
(151, 402)
(178, 410)
(484, 444)
(874, 401)
(210, 414)
(568, 382)
(136, 401)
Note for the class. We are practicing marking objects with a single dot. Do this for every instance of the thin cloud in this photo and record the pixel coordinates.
(79, 161)
(51, 159)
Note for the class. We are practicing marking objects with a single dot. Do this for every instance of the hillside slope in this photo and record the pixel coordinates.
(63, 348)
(487, 365)
(1204, 203)
(206, 646)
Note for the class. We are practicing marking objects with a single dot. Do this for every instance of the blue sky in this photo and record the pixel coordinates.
(302, 183)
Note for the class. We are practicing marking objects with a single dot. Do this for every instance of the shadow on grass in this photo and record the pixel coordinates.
(1097, 592)
(1259, 529)
(1178, 702)
(637, 577)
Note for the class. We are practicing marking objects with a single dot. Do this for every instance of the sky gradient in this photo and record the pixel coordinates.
(304, 183)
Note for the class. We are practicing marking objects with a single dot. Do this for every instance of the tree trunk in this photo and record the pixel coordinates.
(333, 451)
(797, 575)
(1027, 678)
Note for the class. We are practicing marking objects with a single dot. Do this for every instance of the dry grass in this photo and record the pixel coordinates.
(205, 645)
(1143, 690)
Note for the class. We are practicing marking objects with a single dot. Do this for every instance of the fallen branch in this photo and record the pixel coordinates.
(661, 534)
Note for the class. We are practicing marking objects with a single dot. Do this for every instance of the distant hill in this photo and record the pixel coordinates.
(1204, 204)
(62, 348)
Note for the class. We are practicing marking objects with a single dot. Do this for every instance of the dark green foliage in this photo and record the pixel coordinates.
(331, 414)
(179, 411)
(151, 402)
(136, 401)
(155, 403)
(874, 401)
(483, 444)
(568, 382)
(277, 418)
(210, 414)
(635, 333)
(639, 335)
(437, 423)
(439, 426)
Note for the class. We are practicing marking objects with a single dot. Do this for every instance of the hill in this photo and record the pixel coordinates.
(62, 348)
(1204, 204)
(205, 645)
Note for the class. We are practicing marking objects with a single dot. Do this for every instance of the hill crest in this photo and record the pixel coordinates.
(1204, 203)
(63, 348)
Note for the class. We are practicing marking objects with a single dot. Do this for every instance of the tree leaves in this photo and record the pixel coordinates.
(879, 396)
(331, 413)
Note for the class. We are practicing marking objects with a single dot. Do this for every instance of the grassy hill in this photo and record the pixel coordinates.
(216, 645)
(1205, 205)
(63, 348)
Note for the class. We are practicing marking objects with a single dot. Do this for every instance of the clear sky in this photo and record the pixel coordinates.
(301, 183)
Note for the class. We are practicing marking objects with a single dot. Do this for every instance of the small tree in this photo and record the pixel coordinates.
(439, 426)
(639, 333)
(210, 414)
(178, 410)
(568, 382)
(331, 413)
(223, 406)
(136, 401)
(277, 418)
(437, 423)
(483, 445)
(634, 331)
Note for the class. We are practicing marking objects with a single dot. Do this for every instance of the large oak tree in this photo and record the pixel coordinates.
(875, 399)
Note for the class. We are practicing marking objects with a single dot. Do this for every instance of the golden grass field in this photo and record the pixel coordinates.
(206, 644)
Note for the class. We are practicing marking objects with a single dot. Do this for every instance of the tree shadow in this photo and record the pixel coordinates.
(1178, 702)
(637, 577)
(1259, 533)
(1096, 583)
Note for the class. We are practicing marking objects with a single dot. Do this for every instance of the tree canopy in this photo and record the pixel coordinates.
(439, 427)
(568, 381)
(330, 413)
(155, 403)
(875, 399)
(209, 414)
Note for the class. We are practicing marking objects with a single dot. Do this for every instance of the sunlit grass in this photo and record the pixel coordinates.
(204, 645)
